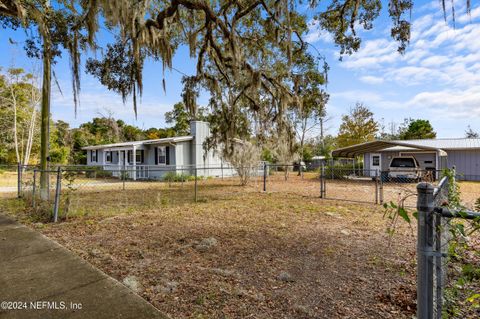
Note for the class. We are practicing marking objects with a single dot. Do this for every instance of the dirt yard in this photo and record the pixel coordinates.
(250, 254)
(239, 252)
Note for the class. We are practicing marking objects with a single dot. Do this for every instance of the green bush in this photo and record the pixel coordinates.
(175, 177)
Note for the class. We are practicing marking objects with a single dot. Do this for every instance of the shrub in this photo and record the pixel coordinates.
(175, 177)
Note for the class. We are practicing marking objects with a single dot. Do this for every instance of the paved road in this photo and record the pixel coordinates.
(36, 272)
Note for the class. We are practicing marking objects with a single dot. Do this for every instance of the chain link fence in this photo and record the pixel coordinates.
(84, 189)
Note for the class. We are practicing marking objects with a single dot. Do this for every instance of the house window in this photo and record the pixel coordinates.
(376, 160)
(108, 156)
(139, 156)
(93, 155)
(162, 155)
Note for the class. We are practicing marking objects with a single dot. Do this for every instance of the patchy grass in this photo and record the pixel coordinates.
(240, 253)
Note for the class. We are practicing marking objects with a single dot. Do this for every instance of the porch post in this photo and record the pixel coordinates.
(134, 162)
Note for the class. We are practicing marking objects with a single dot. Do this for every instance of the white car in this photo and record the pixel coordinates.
(404, 168)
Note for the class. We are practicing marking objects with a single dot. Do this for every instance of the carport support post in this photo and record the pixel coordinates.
(376, 186)
(425, 207)
(57, 195)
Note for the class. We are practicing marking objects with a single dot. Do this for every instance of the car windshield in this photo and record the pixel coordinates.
(403, 162)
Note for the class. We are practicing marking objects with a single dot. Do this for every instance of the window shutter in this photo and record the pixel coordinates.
(129, 154)
(91, 155)
(142, 156)
(156, 155)
(167, 155)
(96, 156)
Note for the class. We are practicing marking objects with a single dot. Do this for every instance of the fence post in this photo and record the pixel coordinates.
(19, 180)
(265, 177)
(380, 189)
(195, 184)
(57, 195)
(323, 182)
(425, 251)
(376, 186)
(34, 187)
(124, 175)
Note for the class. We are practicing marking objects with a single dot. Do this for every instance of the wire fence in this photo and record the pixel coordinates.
(84, 189)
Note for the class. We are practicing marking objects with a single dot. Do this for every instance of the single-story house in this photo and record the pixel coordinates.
(156, 157)
(431, 154)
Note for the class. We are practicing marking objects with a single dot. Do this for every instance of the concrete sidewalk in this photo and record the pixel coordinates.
(36, 272)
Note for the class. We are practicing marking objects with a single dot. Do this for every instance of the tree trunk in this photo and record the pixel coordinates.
(31, 133)
(15, 131)
(45, 113)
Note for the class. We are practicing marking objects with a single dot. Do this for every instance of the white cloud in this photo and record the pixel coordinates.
(449, 103)
(441, 62)
(369, 79)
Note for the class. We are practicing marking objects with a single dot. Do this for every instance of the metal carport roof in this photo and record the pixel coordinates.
(378, 145)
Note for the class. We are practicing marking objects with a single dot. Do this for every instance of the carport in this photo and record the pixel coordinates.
(378, 154)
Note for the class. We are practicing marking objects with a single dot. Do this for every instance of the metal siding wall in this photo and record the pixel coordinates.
(467, 162)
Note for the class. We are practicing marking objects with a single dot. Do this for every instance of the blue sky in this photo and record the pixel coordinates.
(438, 78)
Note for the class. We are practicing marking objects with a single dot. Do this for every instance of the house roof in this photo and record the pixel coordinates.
(138, 143)
(441, 144)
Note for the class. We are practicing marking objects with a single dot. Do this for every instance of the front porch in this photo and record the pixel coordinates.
(137, 161)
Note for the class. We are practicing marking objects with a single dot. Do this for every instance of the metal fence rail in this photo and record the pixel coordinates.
(433, 239)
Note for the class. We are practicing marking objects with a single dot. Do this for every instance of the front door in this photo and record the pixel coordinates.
(375, 164)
